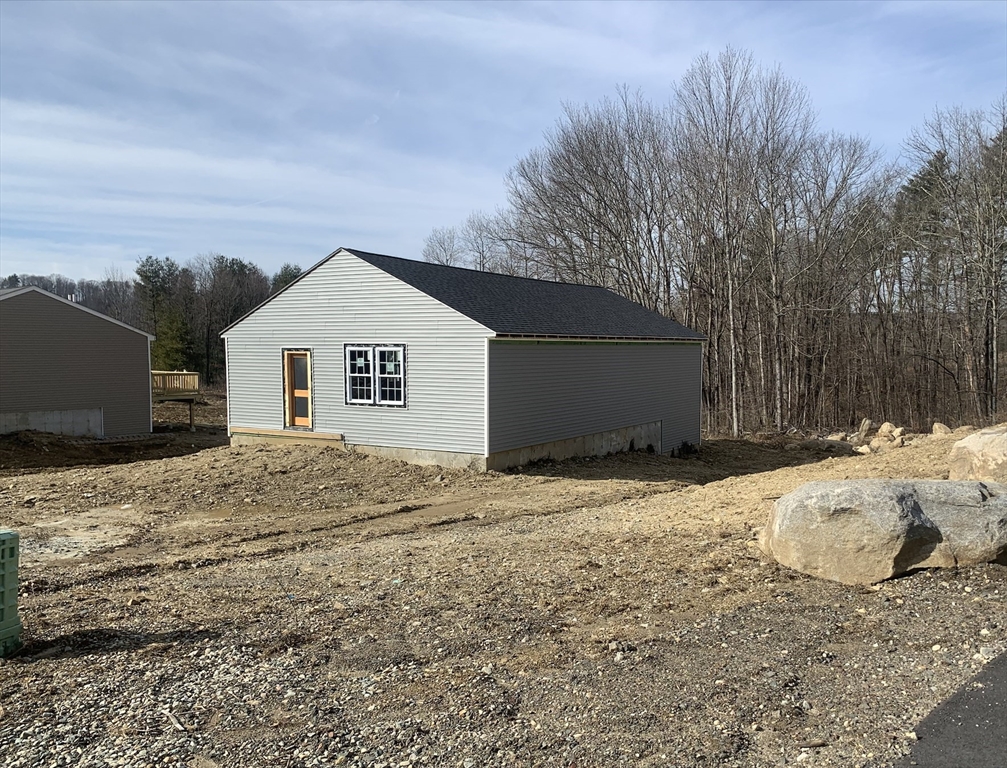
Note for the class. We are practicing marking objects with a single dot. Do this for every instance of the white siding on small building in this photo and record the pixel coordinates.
(543, 391)
(348, 301)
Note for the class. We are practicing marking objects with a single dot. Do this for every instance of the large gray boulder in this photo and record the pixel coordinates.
(865, 531)
(982, 456)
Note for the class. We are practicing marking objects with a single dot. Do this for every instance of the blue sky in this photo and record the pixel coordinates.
(277, 132)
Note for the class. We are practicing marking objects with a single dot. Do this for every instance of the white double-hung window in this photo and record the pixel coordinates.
(376, 374)
(360, 375)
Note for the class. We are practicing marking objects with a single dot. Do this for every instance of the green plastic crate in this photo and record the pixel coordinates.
(10, 624)
(10, 640)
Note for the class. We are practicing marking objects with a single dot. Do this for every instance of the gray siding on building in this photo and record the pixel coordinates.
(348, 301)
(56, 357)
(542, 391)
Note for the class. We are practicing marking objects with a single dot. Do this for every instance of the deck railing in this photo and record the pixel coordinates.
(174, 384)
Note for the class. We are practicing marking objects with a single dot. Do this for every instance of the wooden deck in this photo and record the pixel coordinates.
(171, 385)
(176, 386)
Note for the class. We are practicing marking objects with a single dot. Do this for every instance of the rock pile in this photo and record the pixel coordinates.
(873, 438)
(876, 438)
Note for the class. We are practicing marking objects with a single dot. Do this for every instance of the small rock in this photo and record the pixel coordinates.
(439, 479)
(863, 450)
(941, 429)
(987, 652)
(899, 432)
(886, 430)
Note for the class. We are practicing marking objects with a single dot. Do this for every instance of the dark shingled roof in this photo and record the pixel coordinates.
(521, 306)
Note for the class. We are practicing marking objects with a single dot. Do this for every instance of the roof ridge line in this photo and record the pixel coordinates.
(357, 251)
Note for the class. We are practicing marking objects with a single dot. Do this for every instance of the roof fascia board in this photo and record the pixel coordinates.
(48, 295)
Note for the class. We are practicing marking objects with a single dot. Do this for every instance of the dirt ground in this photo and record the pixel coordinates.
(190, 603)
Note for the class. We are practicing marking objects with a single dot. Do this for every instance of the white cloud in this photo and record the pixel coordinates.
(100, 188)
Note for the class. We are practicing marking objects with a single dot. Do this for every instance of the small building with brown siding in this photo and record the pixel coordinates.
(67, 369)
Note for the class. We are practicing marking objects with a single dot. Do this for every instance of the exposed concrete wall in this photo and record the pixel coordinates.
(412, 455)
(638, 437)
(448, 459)
(83, 422)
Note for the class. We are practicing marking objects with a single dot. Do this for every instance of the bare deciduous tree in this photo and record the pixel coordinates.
(444, 246)
(826, 292)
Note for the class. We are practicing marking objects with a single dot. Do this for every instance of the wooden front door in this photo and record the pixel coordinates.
(297, 379)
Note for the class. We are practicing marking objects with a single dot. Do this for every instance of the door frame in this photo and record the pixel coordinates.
(290, 420)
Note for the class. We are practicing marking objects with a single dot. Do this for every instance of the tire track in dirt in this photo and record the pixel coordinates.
(368, 524)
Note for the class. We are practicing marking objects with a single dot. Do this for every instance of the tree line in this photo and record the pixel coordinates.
(185, 306)
(831, 284)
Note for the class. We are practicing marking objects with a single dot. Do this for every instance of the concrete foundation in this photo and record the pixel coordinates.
(83, 422)
(252, 436)
(638, 437)
(449, 459)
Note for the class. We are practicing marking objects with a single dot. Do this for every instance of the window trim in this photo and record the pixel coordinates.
(374, 353)
(289, 392)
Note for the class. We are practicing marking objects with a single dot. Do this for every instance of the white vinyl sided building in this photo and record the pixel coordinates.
(451, 366)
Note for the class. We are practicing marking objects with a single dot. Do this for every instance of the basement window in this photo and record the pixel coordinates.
(376, 374)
